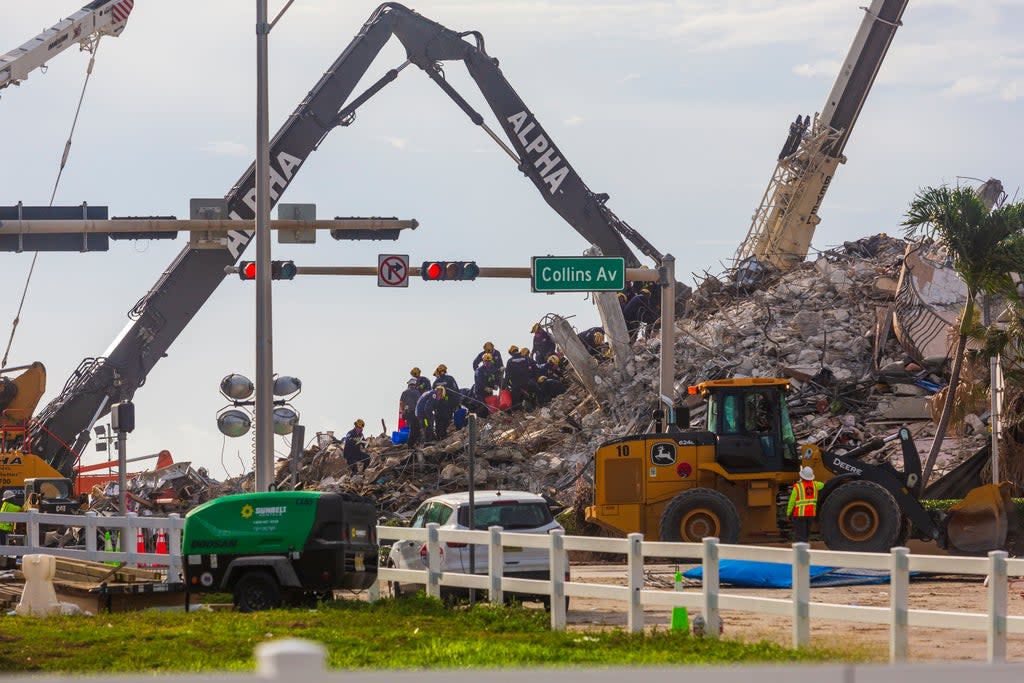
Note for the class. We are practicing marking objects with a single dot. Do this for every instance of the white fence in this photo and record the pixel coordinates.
(127, 527)
(709, 599)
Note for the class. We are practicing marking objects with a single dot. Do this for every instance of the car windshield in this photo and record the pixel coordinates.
(507, 514)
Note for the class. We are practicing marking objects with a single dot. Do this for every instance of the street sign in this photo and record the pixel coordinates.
(578, 273)
(392, 270)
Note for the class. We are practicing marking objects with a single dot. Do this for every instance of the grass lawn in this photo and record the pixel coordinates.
(415, 632)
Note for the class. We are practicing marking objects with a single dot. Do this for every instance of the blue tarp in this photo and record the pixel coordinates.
(748, 574)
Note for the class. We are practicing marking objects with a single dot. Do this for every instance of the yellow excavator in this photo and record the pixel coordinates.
(732, 479)
(19, 397)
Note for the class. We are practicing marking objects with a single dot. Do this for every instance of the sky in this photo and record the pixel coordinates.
(677, 109)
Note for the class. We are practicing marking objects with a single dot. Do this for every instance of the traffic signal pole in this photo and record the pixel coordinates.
(264, 465)
(632, 274)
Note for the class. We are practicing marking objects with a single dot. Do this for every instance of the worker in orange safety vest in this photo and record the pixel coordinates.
(803, 504)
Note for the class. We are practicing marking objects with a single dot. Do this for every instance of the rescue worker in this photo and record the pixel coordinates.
(543, 344)
(355, 447)
(548, 388)
(593, 341)
(637, 312)
(8, 506)
(422, 383)
(803, 504)
(444, 379)
(553, 368)
(485, 380)
(445, 403)
(494, 353)
(518, 376)
(425, 413)
(407, 409)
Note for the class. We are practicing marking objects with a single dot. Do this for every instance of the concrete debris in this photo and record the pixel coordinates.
(817, 325)
(175, 488)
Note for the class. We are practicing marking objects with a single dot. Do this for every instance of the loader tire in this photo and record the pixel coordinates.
(860, 516)
(698, 513)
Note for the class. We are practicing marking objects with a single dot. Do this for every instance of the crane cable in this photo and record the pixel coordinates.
(60, 171)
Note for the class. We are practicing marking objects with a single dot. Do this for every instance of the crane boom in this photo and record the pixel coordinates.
(781, 229)
(62, 428)
(84, 27)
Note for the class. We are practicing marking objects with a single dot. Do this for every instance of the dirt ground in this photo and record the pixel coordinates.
(954, 594)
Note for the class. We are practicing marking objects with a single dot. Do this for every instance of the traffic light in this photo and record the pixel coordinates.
(279, 270)
(449, 270)
(283, 270)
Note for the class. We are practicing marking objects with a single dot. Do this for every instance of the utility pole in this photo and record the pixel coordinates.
(667, 280)
(264, 320)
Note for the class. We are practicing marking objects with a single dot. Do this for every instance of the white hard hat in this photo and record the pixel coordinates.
(806, 473)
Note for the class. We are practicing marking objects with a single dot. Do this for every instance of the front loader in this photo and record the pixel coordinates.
(732, 480)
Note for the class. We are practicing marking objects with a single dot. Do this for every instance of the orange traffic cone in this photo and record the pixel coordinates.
(140, 545)
(161, 544)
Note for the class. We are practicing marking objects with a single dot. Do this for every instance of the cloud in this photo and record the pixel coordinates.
(825, 67)
(573, 120)
(226, 148)
(397, 143)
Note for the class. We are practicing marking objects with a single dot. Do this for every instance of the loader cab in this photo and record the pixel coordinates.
(751, 422)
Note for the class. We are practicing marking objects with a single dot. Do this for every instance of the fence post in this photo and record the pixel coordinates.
(495, 565)
(31, 532)
(174, 549)
(635, 578)
(801, 594)
(129, 545)
(709, 563)
(997, 595)
(433, 561)
(291, 659)
(899, 592)
(557, 576)
(89, 529)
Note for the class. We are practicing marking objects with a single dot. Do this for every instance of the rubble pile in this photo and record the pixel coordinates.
(175, 488)
(820, 325)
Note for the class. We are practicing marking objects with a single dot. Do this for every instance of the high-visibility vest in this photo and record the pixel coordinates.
(803, 499)
(8, 507)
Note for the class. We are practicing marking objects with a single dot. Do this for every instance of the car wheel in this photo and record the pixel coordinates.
(860, 516)
(257, 591)
(697, 514)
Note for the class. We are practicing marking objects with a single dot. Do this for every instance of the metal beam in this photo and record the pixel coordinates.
(119, 225)
(632, 274)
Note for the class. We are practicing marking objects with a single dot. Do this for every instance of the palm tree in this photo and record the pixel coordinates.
(987, 245)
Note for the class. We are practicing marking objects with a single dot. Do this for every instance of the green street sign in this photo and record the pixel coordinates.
(578, 273)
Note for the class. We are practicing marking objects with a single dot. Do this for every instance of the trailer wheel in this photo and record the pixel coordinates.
(860, 516)
(698, 513)
(257, 591)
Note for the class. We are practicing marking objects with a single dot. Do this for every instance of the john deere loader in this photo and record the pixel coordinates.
(732, 479)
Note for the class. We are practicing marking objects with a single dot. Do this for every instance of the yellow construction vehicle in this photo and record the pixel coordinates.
(732, 480)
(18, 399)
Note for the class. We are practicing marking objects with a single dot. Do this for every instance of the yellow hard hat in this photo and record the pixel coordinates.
(415, 372)
(488, 346)
(536, 326)
(488, 358)
(553, 359)
(598, 338)
(440, 391)
(360, 424)
(524, 352)
(542, 378)
(621, 296)
(513, 350)
(441, 369)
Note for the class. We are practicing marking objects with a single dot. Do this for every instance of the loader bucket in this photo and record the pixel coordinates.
(982, 521)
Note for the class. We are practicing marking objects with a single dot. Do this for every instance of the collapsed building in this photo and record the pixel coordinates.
(862, 345)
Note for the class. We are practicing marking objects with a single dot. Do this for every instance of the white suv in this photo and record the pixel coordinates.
(515, 511)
